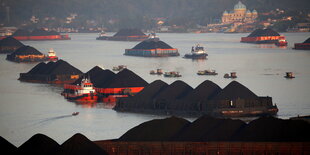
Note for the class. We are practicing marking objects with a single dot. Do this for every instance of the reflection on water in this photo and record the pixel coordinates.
(95, 105)
(40, 107)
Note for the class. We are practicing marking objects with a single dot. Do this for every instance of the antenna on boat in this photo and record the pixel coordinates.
(88, 77)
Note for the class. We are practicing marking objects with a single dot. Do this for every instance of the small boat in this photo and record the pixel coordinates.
(102, 34)
(281, 42)
(119, 68)
(84, 93)
(157, 72)
(207, 72)
(197, 52)
(75, 113)
(172, 74)
(289, 75)
(232, 75)
(52, 55)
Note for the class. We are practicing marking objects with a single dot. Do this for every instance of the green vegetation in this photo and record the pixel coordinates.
(131, 13)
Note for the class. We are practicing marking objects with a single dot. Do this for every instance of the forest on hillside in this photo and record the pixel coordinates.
(137, 13)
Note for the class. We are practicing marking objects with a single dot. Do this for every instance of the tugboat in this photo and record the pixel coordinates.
(207, 72)
(281, 42)
(158, 72)
(83, 93)
(197, 52)
(119, 68)
(172, 74)
(52, 55)
(289, 75)
(232, 75)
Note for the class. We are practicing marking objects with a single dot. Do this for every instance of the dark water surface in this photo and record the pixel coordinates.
(27, 108)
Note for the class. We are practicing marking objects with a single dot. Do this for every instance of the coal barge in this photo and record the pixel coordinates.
(178, 98)
(125, 35)
(106, 86)
(38, 35)
(58, 72)
(27, 54)
(152, 47)
(263, 36)
(9, 45)
(303, 46)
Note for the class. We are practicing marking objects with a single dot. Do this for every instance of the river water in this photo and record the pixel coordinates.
(30, 108)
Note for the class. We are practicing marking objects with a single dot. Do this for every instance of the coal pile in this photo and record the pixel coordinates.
(274, 130)
(205, 91)
(307, 41)
(150, 91)
(174, 91)
(208, 128)
(92, 73)
(152, 44)
(61, 67)
(78, 144)
(235, 90)
(43, 72)
(26, 54)
(98, 76)
(129, 32)
(7, 147)
(125, 78)
(167, 98)
(155, 130)
(200, 95)
(26, 50)
(39, 144)
(53, 33)
(39, 32)
(10, 41)
(142, 100)
(9, 45)
(35, 32)
(263, 32)
(21, 32)
(39, 68)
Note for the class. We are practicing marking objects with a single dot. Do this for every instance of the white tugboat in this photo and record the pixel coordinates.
(197, 52)
(207, 72)
(52, 55)
(84, 93)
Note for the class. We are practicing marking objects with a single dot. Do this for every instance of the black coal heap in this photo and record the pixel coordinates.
(129, 32)
(152, 44)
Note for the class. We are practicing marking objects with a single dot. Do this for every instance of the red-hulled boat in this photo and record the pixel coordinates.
(263, 36)
(52, 55)
(83, 93)
(37, 35)
(303, 46)
(281, 42)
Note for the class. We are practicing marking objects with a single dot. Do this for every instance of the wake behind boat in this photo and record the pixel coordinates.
(197, 52)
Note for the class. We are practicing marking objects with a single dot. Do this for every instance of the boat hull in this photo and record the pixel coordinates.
(262, 39)
(281, 43)
(302, 46)
(83, 98)
(196, 56)
(125, 38)
(41, 38)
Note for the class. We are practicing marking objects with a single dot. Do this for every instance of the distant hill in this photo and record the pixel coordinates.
(135, 13)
